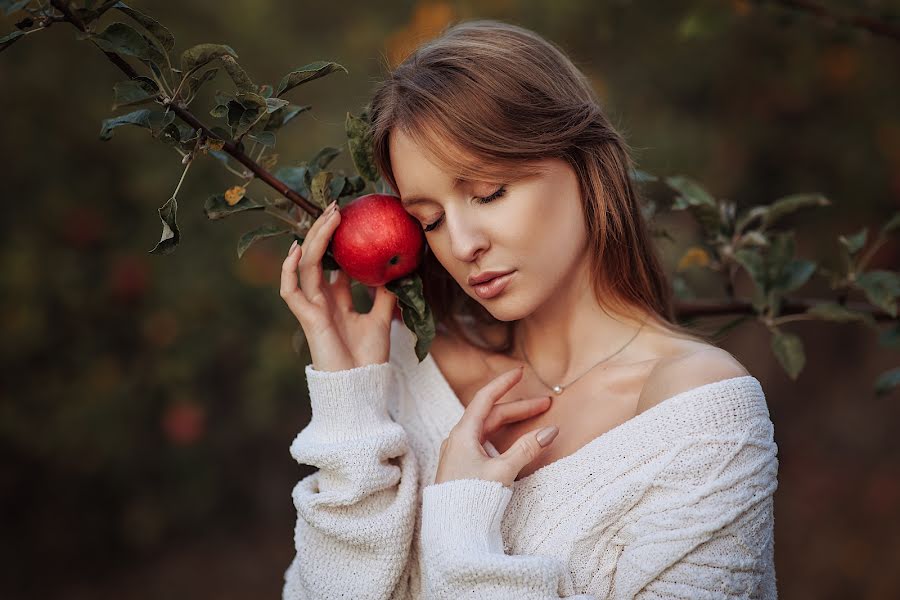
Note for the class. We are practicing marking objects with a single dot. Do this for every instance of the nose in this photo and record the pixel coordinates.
(468, 237)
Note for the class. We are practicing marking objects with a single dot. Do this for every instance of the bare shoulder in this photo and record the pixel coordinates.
(699, 366)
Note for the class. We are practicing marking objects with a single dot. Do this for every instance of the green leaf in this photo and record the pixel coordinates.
(832, 311)
(788, 349)
(682, 289)
(755, 238)
(245, 112)
(755, 265)
(694, 197)
(265, 231)
(690, 191)
(345, 186)
(238, 75)
(855, 242)
(415, 311)
(273, 104)
(321, 188)
(8, 40)
(789, 204)
(307, 73)
(220, 111)
(383, 187)
(266, 138)
(887, 381)
(123, 39)
(134, 91)
(170, 234)
(322, 159)
(794, 275)
(163, 35)
(729, 326)
(220, 133)
(881, 288)
(359, 141)
(202, 54)
(216, 207)
(639, 176)
(177, 134)
(892, 226)
(154, 120)
(890, 337)
(11, 6)
(283, 116)
(296, 178)
(752, 261)
(757, 212)
(195, 82)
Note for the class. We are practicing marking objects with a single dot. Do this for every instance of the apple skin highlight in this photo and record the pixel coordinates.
(377, 241)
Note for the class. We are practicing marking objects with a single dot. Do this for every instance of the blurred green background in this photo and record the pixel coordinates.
(147, 402)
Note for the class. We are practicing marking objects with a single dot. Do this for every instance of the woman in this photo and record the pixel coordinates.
(564, 437)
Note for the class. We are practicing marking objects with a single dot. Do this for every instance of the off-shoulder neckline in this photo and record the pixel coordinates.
(618, 430)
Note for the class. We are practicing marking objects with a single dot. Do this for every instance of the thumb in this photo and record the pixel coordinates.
(528, 447)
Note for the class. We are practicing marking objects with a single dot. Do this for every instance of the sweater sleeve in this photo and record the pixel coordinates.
(355, 514)
(462, 547)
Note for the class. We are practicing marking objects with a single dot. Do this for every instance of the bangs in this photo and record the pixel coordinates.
(463, 157)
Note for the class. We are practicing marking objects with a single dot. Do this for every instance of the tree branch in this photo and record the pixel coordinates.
(691, 309)
(235, 150)
(870, 24)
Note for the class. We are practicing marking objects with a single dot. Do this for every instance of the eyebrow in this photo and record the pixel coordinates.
(406, 202)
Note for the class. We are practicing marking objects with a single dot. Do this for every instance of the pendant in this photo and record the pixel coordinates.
(557, 389)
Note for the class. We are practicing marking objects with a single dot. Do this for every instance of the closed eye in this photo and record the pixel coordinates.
(479, 199)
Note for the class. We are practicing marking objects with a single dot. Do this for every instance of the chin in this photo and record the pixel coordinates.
(502, 309)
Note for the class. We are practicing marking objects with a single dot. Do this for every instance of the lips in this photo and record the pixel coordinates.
(493, 286)
(486, 276)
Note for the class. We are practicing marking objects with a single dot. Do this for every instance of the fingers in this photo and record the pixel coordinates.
(384, 303)
(340, 290)
(529, 447)
(481, 404)
(517, 410)
(289, 291)
(314, 246)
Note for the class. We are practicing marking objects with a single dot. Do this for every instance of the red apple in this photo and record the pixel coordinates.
(377, 241)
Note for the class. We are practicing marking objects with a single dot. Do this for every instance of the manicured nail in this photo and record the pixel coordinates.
(546, 435)
(291, 249)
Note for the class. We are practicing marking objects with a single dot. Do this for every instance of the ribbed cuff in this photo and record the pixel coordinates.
(464, 515)
(351, 403)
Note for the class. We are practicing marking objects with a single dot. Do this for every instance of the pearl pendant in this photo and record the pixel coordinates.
(557, 389)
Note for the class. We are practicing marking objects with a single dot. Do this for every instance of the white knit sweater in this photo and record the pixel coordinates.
(676, 502)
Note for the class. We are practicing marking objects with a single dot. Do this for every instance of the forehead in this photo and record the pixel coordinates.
(417, 171)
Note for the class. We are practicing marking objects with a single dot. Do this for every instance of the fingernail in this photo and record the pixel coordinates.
(546, 435)
(291, 249)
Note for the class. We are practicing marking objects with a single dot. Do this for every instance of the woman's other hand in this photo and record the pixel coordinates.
(463, 455)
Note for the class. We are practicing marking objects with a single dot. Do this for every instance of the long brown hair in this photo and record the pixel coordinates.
(486, 99)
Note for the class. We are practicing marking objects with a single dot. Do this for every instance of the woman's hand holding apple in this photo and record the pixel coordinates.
(338, 337)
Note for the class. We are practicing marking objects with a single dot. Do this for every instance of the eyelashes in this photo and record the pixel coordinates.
(480, 200)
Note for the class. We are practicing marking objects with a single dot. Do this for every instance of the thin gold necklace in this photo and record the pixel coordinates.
(558, 388)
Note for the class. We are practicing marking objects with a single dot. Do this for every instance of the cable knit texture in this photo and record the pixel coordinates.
(676, 502)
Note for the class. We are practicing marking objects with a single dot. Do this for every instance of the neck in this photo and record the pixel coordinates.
(571, 333)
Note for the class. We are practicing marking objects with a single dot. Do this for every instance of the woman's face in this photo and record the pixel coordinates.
(533, 227)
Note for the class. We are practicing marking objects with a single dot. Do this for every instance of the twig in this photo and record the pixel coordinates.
(788, 307)
(870, 24)
(235, 150)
